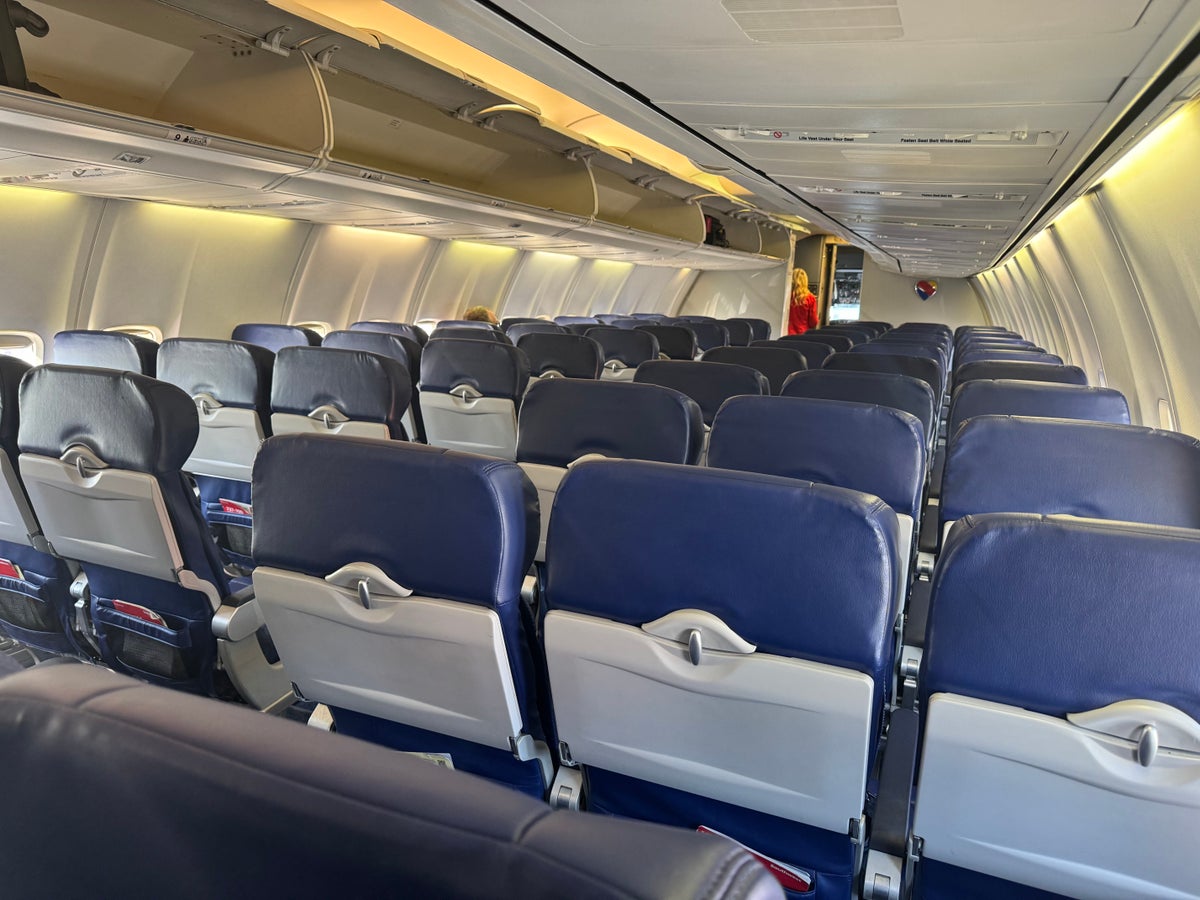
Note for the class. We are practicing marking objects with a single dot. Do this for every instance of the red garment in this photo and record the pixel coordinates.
(802, 315)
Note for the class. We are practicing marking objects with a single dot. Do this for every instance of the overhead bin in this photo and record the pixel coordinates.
(247, 107)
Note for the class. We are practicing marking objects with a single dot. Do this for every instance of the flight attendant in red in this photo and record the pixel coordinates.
(802, 314)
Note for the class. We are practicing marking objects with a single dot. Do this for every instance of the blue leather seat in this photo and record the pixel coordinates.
(105, 350)
(395, 345)
(710, 668)
(36, 606)
(902, 392)
(968, 330)
(1059, 466)
(1036, 398)
(990, 355)
(1061, 701)
(880, 328)
(709, 335)
(872, 449)
(230, 383)
(403, 329)
(318, 390)
(564, 420)
(576, 320)
(934, 327)
(624, 350)
(300, 813)
(814, 352)
(467, 332)
(275, 337)
(674, 341)
(470, 394)
(898, 347)
(839, 342)
(856, 335)
(520, 329)
(708, 383)
(561, 356)
(760, 329)
(1019, 371)
(466, 323)
(920, 367)
(102, 455)
(414, 636)
(509, 321)
(776, 363)
(740, 332)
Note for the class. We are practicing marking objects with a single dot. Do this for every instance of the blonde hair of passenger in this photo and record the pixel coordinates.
(799, 282)
(480, 314)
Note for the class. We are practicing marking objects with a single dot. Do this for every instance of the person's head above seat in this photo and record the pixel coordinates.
(480, 314)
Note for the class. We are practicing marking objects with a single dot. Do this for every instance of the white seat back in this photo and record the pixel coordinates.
(486, 425)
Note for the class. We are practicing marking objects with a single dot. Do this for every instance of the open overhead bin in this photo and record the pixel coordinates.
(241, 105)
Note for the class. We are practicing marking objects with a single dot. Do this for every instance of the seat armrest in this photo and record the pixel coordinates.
(917, 616)
(888, 846)
(238, 617)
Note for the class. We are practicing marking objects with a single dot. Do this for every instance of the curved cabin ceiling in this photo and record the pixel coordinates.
(936, 133)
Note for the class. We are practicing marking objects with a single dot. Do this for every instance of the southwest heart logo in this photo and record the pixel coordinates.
(925, 289)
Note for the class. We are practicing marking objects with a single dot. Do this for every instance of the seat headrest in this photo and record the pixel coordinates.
(760, 328)
(494, 370)
(365, 387)
(776, 363)
(918, 350)
(856, 335)
(800, 570)
(839, 342)
(925, 326)
(320, 504)
(394, 346)
(462, 332)
(572, 355)
(576, 320)
(872, 449)
(275, 337)
(676, 341)
(994, 370)
(519, 330)
(509, 321)
(1058, 466)
(962, 330)
(12, 370)
(709, 384)
(341, 816)
(739, 331)
(709, 335)
(631, 346)
(105, 350)
(1037, 398)
(130, 421)
(919, 367)
(814, 353)
(912, 395)
(1059, 615)
(403, 329)
(984, 355)
(233, 373)
(466, 323)
(564, 419)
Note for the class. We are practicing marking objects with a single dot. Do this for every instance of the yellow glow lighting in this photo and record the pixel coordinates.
(1150, 143)
(375, 22)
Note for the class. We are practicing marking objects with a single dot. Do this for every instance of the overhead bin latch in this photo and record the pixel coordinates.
(273, 42)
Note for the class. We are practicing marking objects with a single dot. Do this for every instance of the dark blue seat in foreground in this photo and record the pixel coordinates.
(564, 420)
(102, 455)
(275, 337)
(1036, 398)
(719, 647)
(299, 813)
(230, 383)
(105, 350)
(414, 636)
(1061, 750)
